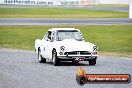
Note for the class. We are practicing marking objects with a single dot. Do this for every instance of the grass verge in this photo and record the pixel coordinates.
(58, 13)
(107, 38)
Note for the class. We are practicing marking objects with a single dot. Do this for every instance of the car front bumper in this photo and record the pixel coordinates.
(77, 57)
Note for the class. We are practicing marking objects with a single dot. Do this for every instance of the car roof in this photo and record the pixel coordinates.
(56, 29)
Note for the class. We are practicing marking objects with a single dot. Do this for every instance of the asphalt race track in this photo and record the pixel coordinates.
(21, 69)
(65, 21)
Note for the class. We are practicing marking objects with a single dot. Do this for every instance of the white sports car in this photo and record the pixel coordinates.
(65, 44)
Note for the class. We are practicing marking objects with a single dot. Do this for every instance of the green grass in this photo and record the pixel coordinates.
(58, 13)
(107, 38)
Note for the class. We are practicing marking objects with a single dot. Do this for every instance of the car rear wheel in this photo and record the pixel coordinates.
(92, 61)
(55, 59)
(41, 59)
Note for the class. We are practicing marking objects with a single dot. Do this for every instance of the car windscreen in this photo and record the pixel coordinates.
(68, 34)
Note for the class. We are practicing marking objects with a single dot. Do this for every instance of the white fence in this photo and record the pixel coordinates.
(64, 2)
(114, 1)
(49, 2)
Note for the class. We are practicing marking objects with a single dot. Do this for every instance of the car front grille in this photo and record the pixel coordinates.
(77, 53)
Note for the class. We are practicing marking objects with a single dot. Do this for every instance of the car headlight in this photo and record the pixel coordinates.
(62, 49)
(94, 53)
(95, 48)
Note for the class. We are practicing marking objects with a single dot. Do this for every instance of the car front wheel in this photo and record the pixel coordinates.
(55, 59)
(41, 59)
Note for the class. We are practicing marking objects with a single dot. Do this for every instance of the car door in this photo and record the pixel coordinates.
(44, 45)
(49, 45)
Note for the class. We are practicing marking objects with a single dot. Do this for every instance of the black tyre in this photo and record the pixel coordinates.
(41, 59)
(55, 59)
(92, 61)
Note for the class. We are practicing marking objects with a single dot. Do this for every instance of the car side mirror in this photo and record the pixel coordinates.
(52, 39)
(48, 39)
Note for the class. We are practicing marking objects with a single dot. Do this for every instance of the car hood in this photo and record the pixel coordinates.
(74, 45)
